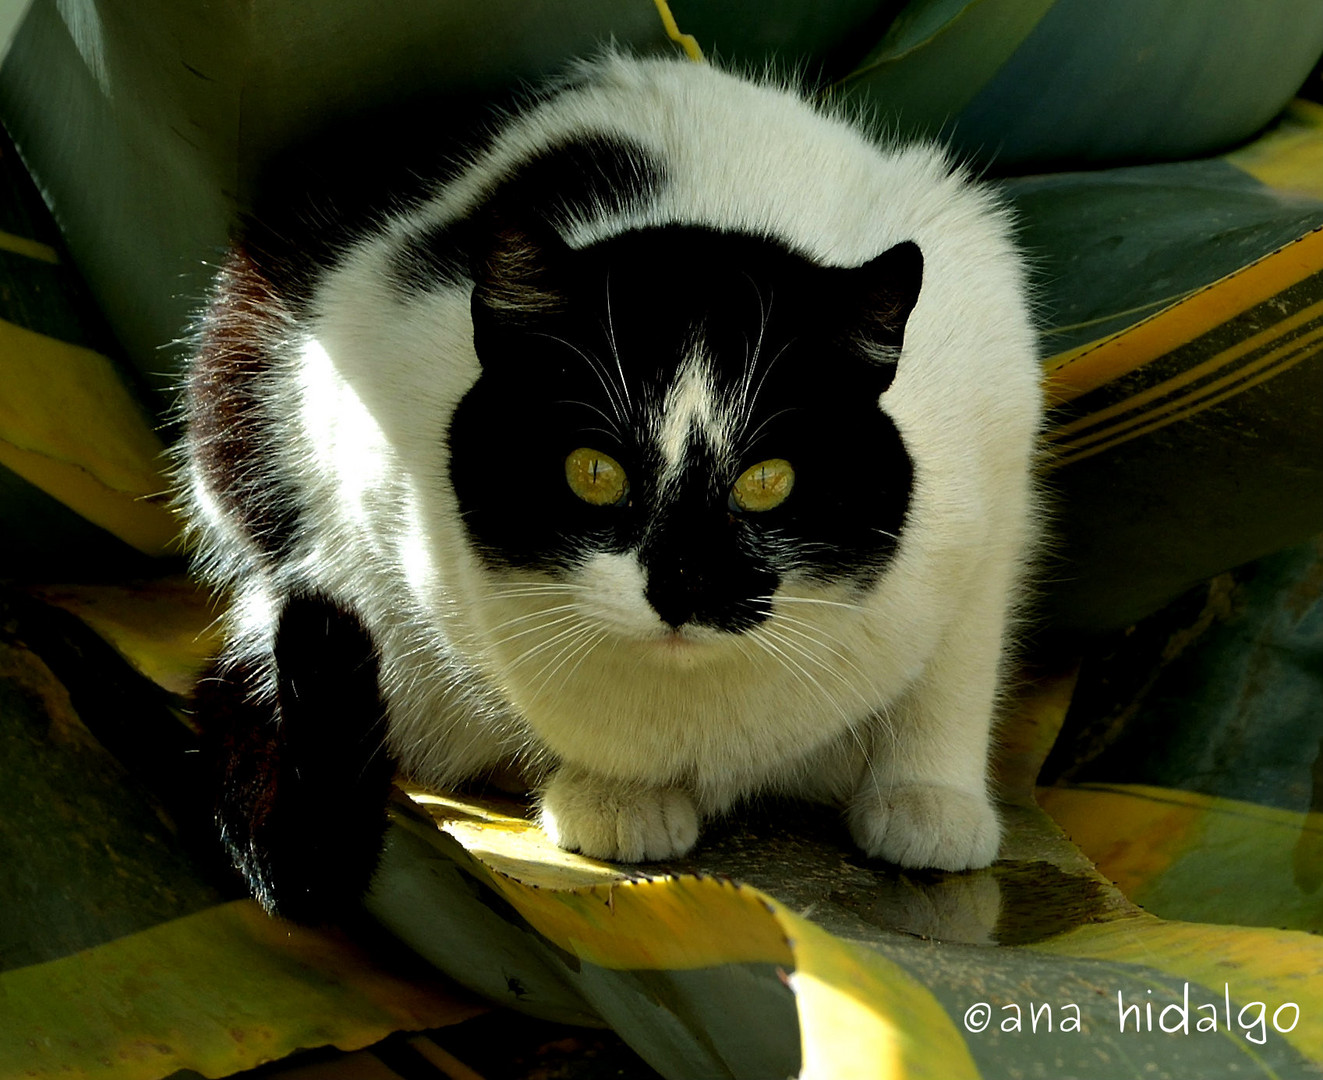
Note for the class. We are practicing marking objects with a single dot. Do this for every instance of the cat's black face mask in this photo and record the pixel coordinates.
(707, 401)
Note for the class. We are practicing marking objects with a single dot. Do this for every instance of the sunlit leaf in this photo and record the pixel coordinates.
(216, 992)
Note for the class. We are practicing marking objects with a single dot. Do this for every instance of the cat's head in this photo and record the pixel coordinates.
(675, 424)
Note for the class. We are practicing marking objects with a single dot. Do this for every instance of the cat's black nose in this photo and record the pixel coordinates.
(676, 593)
(716, 594)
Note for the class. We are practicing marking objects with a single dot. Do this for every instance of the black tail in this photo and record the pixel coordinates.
(300, 765)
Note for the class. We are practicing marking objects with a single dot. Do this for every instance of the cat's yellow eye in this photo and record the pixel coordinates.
(596, 478)
(764, 486)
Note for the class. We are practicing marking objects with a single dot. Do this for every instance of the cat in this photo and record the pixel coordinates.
(674, 447)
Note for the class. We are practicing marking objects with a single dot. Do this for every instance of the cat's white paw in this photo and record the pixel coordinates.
(620, 823)
(924, 825)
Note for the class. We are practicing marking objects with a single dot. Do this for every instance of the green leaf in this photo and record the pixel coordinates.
(938, 55)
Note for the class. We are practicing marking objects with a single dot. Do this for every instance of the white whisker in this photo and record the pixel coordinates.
(581, 647)
(615, 427)
(569, 641)
(611, 340)
(534, 588)
(819, 662)
(572, 617)
(613, 394)
(817, 636)
(810, 682)
(751, 362)
(529, 616)
(750, 439)
(848, 606)
(749, 402)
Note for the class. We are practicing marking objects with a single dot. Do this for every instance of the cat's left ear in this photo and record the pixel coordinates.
(520, 279)
(881, 294)
(518, 270)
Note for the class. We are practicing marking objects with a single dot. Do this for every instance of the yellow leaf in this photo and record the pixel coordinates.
(69, 426)
(224, 990)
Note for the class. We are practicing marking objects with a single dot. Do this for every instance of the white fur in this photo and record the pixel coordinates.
(883, 700)
(690, 413)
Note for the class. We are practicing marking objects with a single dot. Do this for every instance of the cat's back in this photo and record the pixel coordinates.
(706, 146)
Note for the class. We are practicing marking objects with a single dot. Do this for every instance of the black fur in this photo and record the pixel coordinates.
(582, 178)
(575, 181)
(301, 769)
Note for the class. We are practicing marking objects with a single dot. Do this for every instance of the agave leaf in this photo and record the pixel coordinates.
(219, 991)
(167, 629)
(937, 55)
(1288, 159)
(1026, 85)
(911, 1000)
(1191, 757)
(1209, 858)
(1183, 357)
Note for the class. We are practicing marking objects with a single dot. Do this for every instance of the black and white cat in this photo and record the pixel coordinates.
(675, 448)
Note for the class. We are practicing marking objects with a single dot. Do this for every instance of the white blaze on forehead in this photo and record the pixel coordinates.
(690, 412)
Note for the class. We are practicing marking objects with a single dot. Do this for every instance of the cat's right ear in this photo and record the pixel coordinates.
(885, 290)
(519, 275)
(869, 306)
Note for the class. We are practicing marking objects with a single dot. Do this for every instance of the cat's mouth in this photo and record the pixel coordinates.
(677, 649)
(684, 644)
(676, 639)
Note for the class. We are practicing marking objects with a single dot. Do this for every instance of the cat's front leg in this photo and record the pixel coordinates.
(616, 820)
(923, 799)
